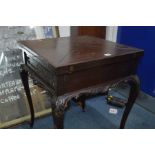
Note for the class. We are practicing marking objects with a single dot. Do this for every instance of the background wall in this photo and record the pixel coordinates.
(64, 31)
(111, 32)
(142, 37)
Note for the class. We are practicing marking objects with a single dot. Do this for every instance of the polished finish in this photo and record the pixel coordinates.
(62, 52)
(24, 78)
(65, 65)
(134, 91)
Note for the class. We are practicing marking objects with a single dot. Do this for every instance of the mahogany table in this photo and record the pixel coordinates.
(76, 67)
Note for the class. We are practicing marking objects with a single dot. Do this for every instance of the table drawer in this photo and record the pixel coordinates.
(98, 75)
(48, 76)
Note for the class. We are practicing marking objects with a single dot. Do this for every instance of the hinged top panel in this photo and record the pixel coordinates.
(69, 51)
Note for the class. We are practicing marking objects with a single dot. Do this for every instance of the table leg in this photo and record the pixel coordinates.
(134, 91)
(58, 115)
(24, 78)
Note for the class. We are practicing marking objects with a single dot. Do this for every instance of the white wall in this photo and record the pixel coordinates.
(39, 32)
(111, 33)
(64, 31)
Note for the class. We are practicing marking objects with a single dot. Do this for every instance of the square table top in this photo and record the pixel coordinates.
(67, 51)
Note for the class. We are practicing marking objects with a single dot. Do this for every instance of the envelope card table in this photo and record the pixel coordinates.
(77, 67)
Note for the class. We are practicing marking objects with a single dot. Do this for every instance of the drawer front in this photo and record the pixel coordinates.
(97, 75)
(44, 73)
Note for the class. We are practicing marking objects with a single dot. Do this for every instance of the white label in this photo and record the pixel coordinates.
(107, 54)
(113, 111)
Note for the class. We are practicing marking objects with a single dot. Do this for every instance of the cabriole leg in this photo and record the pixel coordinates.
(134, 91)
(24, 78)
(58, 115)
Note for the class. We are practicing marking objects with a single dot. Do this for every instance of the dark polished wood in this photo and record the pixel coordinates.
(82, 100)
(134, 91)
(24, 78)
(64, 65)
